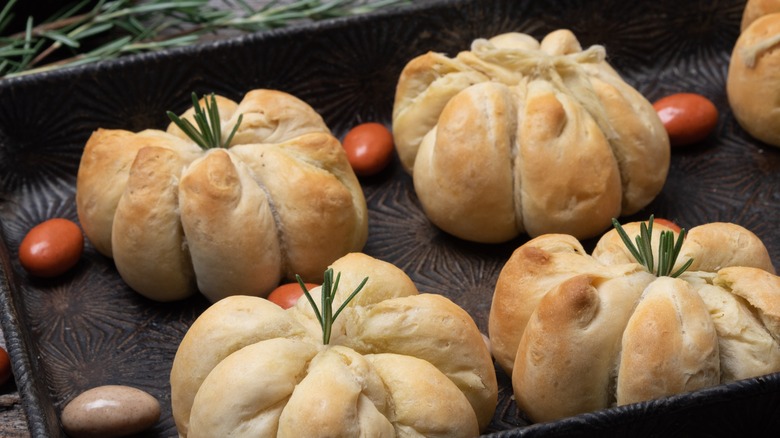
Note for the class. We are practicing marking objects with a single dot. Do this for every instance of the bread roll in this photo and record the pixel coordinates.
(281, 201)
(755, 9)
(586, 332)
(753, 82)
(399, 363)
(520, 136)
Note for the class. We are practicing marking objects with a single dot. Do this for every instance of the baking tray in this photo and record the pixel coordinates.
(87, 328)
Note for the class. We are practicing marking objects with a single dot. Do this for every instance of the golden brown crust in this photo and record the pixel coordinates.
(425, 86)
(581, 317)
(399, 363)
(464, 180)
(316, 200)
(283, 200)
(570, 182)
(755, 9)
(753, 82)
(103, 173)
(641, 149)
(225, 327)
(669, 344)
(589, 332)
(230, 228)
(147, 238)
(533, 269)
(580, 145)
(271, 116)
(718, 245)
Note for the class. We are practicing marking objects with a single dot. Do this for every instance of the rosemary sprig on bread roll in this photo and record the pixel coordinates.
(208, 133)
(325, 315)
(667, 249)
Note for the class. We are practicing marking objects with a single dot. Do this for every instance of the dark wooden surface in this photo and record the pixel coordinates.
(13, 422)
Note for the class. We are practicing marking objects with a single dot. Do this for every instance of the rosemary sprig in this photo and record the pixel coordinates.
(208, 133)
(668, 250)
(113, 28)
(325, 314)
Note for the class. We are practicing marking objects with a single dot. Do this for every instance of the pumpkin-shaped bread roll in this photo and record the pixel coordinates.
(520, 136)
(280, 199)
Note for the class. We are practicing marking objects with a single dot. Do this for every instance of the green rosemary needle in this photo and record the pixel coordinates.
(668, 250)
(208, 133)
(325, 314)
(85, 31)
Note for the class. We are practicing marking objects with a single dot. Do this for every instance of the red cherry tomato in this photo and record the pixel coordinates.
(369, 148)
(688, 117)
(5, 366)
(667, 223)
(51, 248)
(287, 295)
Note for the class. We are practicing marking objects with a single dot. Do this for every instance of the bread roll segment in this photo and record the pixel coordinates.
(315, 198)
(669, 344)
(341, 394)
(744, 248)
(570, 182)
(747, 348)
(583, 317)
(406, 325)
(462, 189)
(103, 173)
(224, 328)
(269, 373)
(147, 237)
(219, 198)
(433, 79)
(416, 389)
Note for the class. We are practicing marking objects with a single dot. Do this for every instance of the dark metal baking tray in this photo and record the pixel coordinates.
(87, 328)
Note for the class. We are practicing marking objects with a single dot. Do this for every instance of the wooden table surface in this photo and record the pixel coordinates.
(13, 420)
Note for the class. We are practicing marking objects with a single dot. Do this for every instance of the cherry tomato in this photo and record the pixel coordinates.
(369, 148)
(688, 117)
(5, 366)
(51, 248)
(287, 295)
(667, 223)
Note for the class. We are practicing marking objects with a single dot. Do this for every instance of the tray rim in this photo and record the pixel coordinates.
(39, 416)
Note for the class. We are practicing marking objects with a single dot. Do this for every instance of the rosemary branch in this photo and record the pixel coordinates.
(325, 314)
(668, 250)
(113, 28)
(208, 132)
